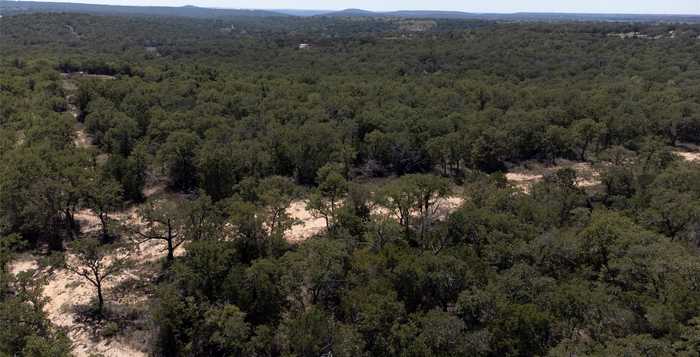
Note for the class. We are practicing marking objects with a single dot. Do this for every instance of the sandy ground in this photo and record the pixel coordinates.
(90, 222)
(23, 263)
(524, 177)
(68, 85)
(689, 155)
(311, 225)
(688, 152)
(449, 205)
(64, 292)
(523, 180)
(588, 176)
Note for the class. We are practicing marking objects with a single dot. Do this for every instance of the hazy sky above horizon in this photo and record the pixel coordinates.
(590, 6)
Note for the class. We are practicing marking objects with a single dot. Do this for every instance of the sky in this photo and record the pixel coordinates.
(580, 6)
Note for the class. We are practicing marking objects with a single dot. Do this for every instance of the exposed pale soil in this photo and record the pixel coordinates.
(689, 156)
(530, 173)
(688, 152)
(66, 291)
(309, 225)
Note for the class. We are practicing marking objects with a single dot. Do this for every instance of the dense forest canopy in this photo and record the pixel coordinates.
(374, 127)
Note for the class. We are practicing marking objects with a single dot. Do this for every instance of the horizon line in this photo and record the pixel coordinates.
(512, 12)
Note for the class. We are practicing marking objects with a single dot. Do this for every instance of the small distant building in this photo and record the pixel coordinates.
(304, 46)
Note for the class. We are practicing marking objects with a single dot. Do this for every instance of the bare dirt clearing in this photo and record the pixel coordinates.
(311, 225)
(23, 263)
(588, 175)
(65, 292)
(448, 205)
(523, 180)
(524, 176)
(688, 152)
(158, 188)
(689, 156)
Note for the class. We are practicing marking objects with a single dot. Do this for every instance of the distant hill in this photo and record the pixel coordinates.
(18, 7)
(407, 13)
(548, 17)
(301, 13)
(521, 16)
(433, 14)
(352, 13)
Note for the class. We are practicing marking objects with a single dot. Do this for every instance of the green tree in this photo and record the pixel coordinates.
(373, 310)
(557, 196)
(96, 263)
(439, 334)
(203, 219)
(122, 138)
(315, 272)
(263, 295)
(521, 330)
(103, 197)
(416, 195)
(328, 196)
(308, 333)
(585, 133)
(227, 330)
(177, 155)
(276, 194)
(162, 221)
(219, 164)
(130, 172)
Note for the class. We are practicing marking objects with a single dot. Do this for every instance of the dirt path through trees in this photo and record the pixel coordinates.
(69, 86)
